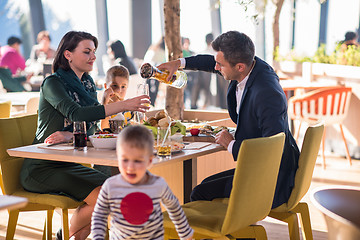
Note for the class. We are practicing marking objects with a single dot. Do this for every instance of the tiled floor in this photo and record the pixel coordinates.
(338, 172)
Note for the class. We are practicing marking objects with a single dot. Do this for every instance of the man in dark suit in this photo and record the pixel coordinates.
(256, 103)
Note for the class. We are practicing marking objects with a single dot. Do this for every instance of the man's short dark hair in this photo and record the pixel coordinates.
(236, 46)
(350, 36)
(12, 40)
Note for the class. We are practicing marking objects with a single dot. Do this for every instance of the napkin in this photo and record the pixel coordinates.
(61, 147)
(196, 145)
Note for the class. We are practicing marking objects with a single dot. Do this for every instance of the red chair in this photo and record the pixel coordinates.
(327, 105)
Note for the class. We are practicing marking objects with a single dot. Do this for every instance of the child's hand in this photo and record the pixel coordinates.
(108, 94)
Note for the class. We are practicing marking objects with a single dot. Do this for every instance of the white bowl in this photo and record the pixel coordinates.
(103, 141)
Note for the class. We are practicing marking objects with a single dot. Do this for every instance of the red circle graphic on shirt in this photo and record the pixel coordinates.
(136, 207)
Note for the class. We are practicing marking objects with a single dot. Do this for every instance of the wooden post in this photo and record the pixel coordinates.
(174, 101)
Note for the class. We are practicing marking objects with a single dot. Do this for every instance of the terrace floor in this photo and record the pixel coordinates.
(338, 172)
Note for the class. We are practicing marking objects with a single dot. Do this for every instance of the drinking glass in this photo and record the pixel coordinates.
(79, 135)
(142, 89)
(163, 142)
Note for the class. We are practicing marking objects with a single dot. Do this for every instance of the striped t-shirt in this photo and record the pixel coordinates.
(135, 210)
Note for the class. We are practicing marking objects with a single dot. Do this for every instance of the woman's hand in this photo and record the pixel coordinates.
(139, 104)
(171, 66)
(59, 137)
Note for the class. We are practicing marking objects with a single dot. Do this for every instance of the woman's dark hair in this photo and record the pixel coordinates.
(69, 42)
(118, 48)
(237, 47)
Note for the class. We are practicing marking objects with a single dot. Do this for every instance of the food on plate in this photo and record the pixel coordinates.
(105, 136)
(160, 114)
(219, 129)
(103, 132)
(152, 121)
(103, 141)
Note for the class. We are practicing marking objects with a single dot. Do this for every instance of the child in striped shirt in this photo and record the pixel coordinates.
(132, 198)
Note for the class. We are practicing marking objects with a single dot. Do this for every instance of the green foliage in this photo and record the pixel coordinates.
(341, 55)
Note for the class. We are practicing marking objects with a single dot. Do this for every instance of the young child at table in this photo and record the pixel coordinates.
(132, 198)
(116, 84)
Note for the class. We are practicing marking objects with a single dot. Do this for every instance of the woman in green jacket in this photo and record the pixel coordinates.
(66, 96)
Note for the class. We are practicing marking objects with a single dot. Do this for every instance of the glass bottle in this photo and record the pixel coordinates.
(178, 79)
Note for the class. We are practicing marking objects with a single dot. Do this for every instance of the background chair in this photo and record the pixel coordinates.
(5, 109)
(32, 105)
(288, 211)
(16, 132)
(250, 199)
(328, 105)
(341, 210)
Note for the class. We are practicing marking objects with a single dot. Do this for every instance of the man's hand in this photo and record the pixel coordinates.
(171, 67)
(224, 138)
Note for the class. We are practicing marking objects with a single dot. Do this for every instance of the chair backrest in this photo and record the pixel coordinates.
(8, 82)
(307, 159)
(330, 105)
(341, 209)
(32, 105)
(254, 182)
(14, 132)
(5, 109)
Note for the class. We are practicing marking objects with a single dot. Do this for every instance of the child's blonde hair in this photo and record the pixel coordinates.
(137, 136)
(116, 71)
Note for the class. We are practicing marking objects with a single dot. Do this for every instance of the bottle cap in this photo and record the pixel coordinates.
(146, 70)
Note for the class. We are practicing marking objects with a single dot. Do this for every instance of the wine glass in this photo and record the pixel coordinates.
(142, 89)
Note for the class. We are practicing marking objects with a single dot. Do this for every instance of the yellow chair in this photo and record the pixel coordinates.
(16, 132)
(250, 199)
(5, 108)
(287, 212)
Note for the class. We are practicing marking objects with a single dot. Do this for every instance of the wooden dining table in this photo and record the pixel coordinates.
(184, 175)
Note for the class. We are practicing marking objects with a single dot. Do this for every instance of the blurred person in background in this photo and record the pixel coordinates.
(42, 50)
(351, 39)
(155, 55)
(190, 94)
(116, 55)
(11, 56)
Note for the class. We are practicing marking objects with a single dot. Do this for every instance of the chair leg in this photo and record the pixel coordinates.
(65, 224)
(48, 225)
(323, 148)
(291, 219)
(260, 233)
(346, 147)
(293, 227)
(13, 217)
(297, 133)
(303, 210)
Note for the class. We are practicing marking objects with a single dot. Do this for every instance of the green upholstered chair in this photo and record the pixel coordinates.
(288, 211)
(250, 199)
(16, 132)
(9, 83)
(5, 108)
